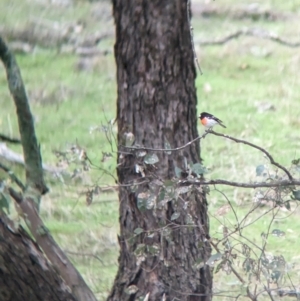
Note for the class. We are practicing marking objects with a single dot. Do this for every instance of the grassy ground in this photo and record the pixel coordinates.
(240, 79)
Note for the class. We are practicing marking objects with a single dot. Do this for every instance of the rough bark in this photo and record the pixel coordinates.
(25, 274)
(161, 258)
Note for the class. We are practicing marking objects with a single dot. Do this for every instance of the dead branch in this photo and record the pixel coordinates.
(13, 157)
(8, 139)
(51, 36)
(288, 293)
(166, 149)
(259, 33)
(85, 254)
(272, 161)
(283, 183)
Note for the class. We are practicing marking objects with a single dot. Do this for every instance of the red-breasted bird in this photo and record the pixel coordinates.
(209, 120)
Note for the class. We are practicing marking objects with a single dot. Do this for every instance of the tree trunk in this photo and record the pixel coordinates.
(25, 273)
(164, 225)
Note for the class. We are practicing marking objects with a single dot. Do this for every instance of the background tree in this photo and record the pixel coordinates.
(19, 283)
(164, 230)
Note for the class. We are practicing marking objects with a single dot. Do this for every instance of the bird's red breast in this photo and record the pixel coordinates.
(204, 121)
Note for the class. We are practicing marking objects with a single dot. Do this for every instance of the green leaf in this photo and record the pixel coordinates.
(296, 195)
(140, 250)
(287, 205)
(297, 167)
(199, 263)
(220, 266)
(169, 183)
(278, 233)
(129, 139)
(162, 194)
(167, 146)
(131, 290)
(184, 189)
(275, 276)
(198, 169)
(142, 201)
(259, 170)
(141, 153)
(4, 201)
(153, 249)
(151, 159)
(150, 203)
(248, 264)
(178, 172)
(213, 258)
(175, 215)
(189, 220)
(167, 233)
(138, 231)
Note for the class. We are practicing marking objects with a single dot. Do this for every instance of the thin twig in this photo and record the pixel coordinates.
(224, 195)
(269, 293)
(188, 8)
(84, 254)
(236, 273)
(166, 149)
(272, 161)
(245, 226)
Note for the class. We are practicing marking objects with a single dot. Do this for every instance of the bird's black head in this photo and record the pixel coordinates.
(204, 114)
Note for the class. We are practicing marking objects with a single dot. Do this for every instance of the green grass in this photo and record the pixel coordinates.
(237, 78)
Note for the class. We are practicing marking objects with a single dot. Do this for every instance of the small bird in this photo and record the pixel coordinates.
(209, 120)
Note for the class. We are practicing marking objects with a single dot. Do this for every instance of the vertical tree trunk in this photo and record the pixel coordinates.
(163, 230)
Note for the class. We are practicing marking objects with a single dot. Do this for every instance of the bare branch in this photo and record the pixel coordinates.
(288, 293)
(272, 161)
(166, 149)
(259, 33)
(221, 41)
(85, 254)
(16, 158)
(228, 201)
(8, 139)
(31, 150)
(245, 185)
